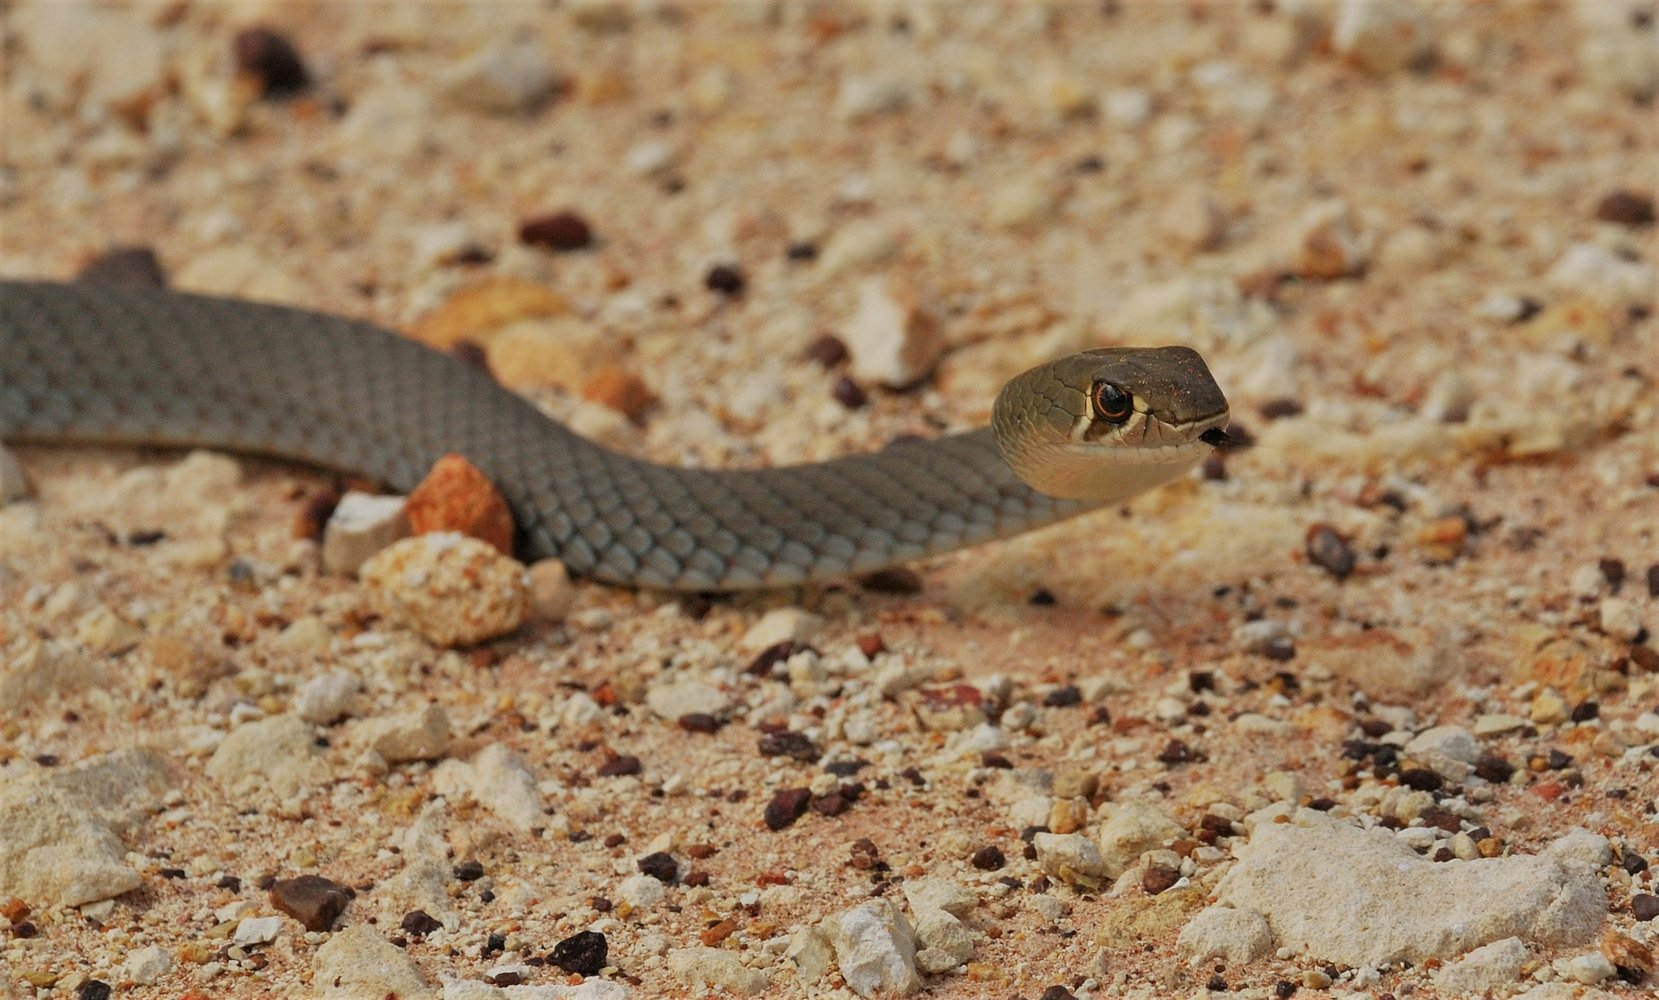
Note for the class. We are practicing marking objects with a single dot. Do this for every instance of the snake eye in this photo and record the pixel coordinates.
(1112, 404)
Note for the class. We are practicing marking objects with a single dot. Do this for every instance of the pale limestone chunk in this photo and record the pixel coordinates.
(361, 525)
(451, 589)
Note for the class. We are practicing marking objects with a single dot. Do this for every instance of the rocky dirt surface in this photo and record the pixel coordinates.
(1370, 709)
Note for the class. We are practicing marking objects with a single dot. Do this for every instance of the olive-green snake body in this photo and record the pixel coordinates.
(104, 364)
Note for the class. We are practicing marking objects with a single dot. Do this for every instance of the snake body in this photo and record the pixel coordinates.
(107, 364)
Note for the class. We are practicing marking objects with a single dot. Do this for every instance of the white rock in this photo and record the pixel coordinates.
(1579, 844)
(1021, 204)
(1593, 270)
(939, 894)
(860, 244)
(451, 589)
(1487, 969)
(1497, 723)
(328, 697)
(1131, 829)
(1193, 220)
(811, 953)
(1128, 107)
(892, 339)
(1589, 969)
(641, 891)
(13, 484)
(945, 942)
(1381, 37)
(1070, 857)
(466, 989)
(1297, 874)
(42, 669)
(147, 964)
(1620, 618)
(1221, 933)
(279, 752)
(718, 968)
(257, 930)
(1450, 751)
(780, 625)
(552, 593)
(306, 634)
(361, 525)
(419, 735)
(1052, 909)
(1614, 53)
(651, 158)
(503, 783)
(512, 75)
(683, 696)
(358, 962)
(875, 949)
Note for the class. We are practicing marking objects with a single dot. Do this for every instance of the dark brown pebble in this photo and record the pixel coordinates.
(1322, 804)
(311, 899)
(898, 580)
(1626, 208)
(871, 644)
(269, 57)
(833, 804)
(1216, 985)
(786, 744)
(1058, 992)
(1176, 752)
(472, 355)
(1329, 550)
(1584, 711)
(1421, 779)
(1199, 681)
(230, 882)
(725, 279)
(1280, 648)
(996, 761)
(802, 252)
(506, 977)
(314, 513)
(1441, 818)
(93, 989)
(131, 267)
(1214, 468)
(1645, 657)
(1042, 597)
(1068, 696)
(584, 953)
(846, 768)
(696, 879)
(988, 858)
(1644, 906)
(614, 839)
(1493, 768)
(1612, 570)
(864, 855)
(470, 870)
(25, 929)
(699, 722)
(1633, 863)
(1653, 580)
(1157, 879)
(1284, 988)
(419, 923)
(1278, 409)
(848, 393)
(786, 807)
(828, 350)
(171, 872)
(771, 656)
(561, 232)
(661, 866)
(620, 766)
(600, 904)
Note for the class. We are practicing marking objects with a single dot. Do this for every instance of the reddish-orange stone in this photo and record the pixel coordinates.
(455, 496)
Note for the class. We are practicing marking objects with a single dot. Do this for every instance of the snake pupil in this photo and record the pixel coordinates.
(1111, 403)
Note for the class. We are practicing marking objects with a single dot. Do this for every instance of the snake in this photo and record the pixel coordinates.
(93, 363)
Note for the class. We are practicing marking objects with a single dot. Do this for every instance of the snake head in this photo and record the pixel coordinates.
(1105, 424)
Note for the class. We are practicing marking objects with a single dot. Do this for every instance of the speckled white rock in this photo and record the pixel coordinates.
(503, 783)
(328, 697)
(810, 953)
(939, 894)
(685, 696)
(511, 75)
(1298, 874)
(1620, 618)
(147, 964)
(892, 338)
(60, 829)
(944, 941)
(1599, 273)
(1588, 969)
(1192, 220)
(41, 669)
(1381, 37)
(862, 97)
(860, 244)
(451, 589)
(358, 962)
(641, 891)
(875, 949)
(1579, 844)
(257, 930)
(716, 967)
(780, 625)
(14, 485)
(279, 752)
(1070, 857)
(1617, 52)
(361, 525)
(419, 735)
(1132, 828)
(1486, 969)
(1221, 933)
(1449, 751)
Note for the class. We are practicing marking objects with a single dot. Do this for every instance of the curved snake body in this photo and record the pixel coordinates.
(106, 364)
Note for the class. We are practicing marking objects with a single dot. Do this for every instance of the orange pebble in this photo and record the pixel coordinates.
(455, 496)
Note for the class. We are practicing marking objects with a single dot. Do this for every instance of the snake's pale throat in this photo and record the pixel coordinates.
(93, 363)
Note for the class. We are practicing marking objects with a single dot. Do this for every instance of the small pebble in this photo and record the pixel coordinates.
(787, 806)
(311, 899)
(130, 267)
(419, 923)
(848, 394)
(268, 57)
(1327, 549)
(450, 589)
(1626, 208)
(360, 525)
(583, 954)
(456, 497)
(560, 231)
(725, 279)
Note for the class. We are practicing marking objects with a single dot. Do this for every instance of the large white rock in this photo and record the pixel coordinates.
(716, 967)
(1484, 970)
(358, 962)
(279, 752)
(875, 948)
(1131, 829)
(1225, 934)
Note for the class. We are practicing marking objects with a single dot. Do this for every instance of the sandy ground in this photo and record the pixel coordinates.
(1416, 261)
